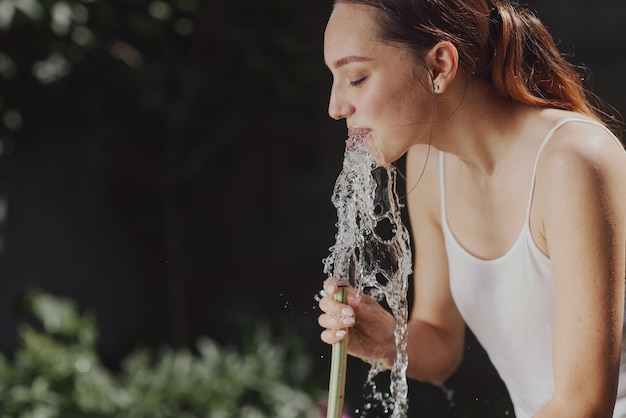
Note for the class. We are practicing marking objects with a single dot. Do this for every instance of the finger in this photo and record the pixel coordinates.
(335, 322)
(330, 306)
(333, 336)
(330, 286)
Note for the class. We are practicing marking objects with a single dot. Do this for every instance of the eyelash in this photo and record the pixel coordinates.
(358, 82)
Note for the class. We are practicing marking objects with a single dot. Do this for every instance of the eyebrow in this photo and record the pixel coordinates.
(347, 60)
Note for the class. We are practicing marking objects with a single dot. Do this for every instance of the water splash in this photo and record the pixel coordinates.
(372, 253)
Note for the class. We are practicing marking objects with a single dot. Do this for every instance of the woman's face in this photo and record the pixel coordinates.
(377, 87)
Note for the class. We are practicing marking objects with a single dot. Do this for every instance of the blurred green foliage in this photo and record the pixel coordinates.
(56, 372)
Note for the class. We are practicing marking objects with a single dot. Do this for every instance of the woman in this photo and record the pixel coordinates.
(518, 222)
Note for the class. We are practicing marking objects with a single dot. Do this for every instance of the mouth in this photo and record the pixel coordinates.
(358, 133)
(361, 138)
(358, 137)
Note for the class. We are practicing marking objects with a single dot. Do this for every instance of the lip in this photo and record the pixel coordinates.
(361, 137)
(357, 138)
(358, 132)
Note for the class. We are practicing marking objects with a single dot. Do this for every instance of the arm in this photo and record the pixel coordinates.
(436, 328)
(582, 200)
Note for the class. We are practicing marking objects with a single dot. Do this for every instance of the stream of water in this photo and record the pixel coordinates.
(372, 252)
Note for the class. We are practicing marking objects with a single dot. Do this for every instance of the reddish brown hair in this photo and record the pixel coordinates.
(498, 41)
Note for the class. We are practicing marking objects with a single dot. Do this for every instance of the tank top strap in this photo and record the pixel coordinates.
(547, 139)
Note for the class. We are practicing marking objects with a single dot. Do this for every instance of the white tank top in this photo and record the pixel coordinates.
(508, 302)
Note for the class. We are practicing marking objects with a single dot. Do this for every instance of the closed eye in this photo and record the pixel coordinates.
(357, 83)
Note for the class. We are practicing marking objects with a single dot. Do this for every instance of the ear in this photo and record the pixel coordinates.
(443, 62)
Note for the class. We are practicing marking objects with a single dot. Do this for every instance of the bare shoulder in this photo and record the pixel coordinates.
(580, 149)
(582, 169)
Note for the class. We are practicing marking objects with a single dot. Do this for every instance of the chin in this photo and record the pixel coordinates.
(378, 154)
(384, 155)
(383, 159)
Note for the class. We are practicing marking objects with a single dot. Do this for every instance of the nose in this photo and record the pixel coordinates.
(338, 106)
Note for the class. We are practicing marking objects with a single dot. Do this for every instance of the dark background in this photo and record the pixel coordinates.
(169, 165)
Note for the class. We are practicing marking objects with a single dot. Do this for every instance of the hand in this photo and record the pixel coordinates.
(369, 326)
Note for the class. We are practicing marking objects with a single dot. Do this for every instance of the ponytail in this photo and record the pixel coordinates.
(528, 68)
(526, 65)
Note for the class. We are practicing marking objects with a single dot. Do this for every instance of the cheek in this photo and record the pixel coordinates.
(401, 113)
(415, 105)
(410, 125)
(408, 103)
(405, 108)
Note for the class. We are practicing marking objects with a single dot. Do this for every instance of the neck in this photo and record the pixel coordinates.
(479, 127)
